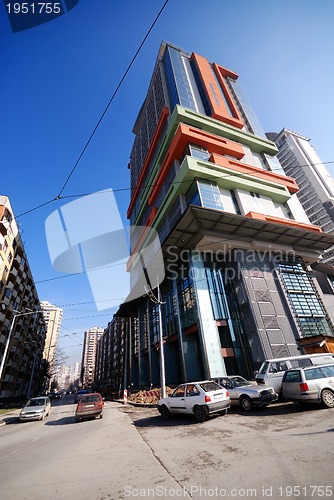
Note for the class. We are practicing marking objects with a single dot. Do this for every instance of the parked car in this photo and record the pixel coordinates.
(90, 405)
(36, 409)
(245, 394)
(311, 384)
(78, 395)
(58, 395)
(272, 370)
(200, 399)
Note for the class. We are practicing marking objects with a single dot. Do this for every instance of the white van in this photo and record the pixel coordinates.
(272, 370)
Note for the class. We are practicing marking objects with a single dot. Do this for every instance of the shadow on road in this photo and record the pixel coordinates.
(275, 409)
(11, 420)
(61, 421)
(158, 421)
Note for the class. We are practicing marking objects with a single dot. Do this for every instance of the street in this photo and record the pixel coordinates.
(282, 451)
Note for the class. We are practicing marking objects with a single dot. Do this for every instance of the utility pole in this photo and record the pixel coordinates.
(157, 300)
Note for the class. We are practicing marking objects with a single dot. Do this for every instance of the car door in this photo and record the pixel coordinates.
(232, 390)
(176, 401)
(192, 397)
(291, 381)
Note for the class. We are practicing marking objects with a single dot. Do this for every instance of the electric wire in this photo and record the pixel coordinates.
(112, 97)
(145, 186)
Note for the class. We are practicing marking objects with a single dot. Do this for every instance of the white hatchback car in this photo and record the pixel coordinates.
(36, 409)
(200, 399)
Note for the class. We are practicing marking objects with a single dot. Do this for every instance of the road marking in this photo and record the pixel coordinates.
(36, 439)
(14, 451)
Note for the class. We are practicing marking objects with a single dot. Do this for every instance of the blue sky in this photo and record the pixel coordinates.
(57, 78)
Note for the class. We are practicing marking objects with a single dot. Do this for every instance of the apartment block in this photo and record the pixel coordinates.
(91, 339)
(52, 317)
(300, 160)
(22, 332)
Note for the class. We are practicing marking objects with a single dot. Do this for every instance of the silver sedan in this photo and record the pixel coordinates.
(245, 394)
(36, 409)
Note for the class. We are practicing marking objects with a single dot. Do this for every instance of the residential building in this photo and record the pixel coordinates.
(300, 160)
(237, 244)
(67, 377)
(112, 357)
(22, 330)
(52, 317)
(91, 339)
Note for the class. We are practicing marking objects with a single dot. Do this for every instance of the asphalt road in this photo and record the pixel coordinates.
(278, 452)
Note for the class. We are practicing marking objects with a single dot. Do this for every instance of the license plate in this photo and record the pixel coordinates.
(89, 406)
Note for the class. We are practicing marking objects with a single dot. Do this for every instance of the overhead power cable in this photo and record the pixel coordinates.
(112, 97)
(80, 195)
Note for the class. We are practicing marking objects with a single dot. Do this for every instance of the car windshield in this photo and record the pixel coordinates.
(36, 402)
(240, 381)
(210, 386)
(264, 367)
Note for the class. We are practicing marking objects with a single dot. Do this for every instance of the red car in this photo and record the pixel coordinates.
(90, 405)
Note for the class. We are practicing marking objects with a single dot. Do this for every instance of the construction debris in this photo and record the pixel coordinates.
(148, 397)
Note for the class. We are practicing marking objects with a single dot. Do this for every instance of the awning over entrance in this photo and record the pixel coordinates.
(200, 227)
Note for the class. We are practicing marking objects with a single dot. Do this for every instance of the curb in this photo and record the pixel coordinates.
(5, 415)
(141, 405)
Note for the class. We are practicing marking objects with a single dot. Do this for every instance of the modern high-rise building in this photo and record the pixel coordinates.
(237, 245)
(22, 332)
(92, 336)
(300, 160)
(52, 316)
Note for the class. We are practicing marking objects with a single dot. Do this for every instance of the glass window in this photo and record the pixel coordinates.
(235, 202)
(293, 376)
(199, 152)
(328, 371)
(192, 390)
(313, 374)
(210, 195)
(179, 392)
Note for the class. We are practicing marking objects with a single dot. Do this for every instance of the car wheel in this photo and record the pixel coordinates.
(101, 415)
(77, 419)
(200, 413)
(42, 417)
(164, 412)
(246, 403)
(327, 398)
(222, 413)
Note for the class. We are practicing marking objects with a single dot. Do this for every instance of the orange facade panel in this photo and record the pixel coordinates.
(260, 173)
(157, 133)
(190, 135)
(287, 222)
(219, 109)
